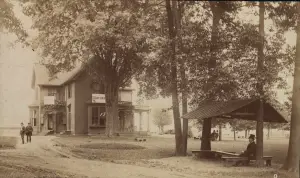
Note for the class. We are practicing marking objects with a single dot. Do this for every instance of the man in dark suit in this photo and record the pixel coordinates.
(250, 152)
(29, 131)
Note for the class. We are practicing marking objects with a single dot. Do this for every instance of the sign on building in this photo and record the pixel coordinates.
(49, 100)
(98, 98)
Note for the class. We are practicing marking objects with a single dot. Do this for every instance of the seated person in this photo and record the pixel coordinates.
(250, 151)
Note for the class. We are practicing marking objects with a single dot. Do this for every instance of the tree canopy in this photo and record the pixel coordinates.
(9, 22)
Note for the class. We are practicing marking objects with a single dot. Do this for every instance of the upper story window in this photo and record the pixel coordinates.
(97, 87)
(125, 95)
(52, 91)
(69, 91)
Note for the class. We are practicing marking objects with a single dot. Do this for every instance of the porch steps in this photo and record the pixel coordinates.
(66, 132)
(46, 132)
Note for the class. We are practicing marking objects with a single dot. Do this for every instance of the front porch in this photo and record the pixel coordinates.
(132, 120)
(53, 121)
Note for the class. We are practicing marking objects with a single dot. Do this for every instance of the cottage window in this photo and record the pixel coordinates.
(34, 117)
(51, 91)
(102, 117)
(95, 116)
(97, 87)
(34, 121)
(98, 116)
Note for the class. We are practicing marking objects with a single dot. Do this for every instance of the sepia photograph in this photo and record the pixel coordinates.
(149, 89)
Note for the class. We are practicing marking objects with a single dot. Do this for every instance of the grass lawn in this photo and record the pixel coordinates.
(157, 152)
(7, 142)
(125, 148)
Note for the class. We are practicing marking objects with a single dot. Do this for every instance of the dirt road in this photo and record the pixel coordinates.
(42, 157)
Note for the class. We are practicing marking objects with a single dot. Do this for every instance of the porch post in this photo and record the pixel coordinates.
(148, 130)
(31, 116)
(89, 119)
(260, 133)
(132, 121)
(141, 118)
(54, 122)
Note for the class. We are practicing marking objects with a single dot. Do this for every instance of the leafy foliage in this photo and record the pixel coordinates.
(73, 31)
(162, 118)
(109, 37)
(9, 22)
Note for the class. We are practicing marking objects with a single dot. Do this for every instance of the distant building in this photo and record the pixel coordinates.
(74, 102)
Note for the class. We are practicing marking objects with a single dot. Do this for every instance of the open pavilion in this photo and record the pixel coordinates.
(246, 109)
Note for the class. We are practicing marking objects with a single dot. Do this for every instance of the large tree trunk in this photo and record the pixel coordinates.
(175, 101)
(185, 123)
(268, 134)
(206, 131)
(260, 66)
(216, 11)
(292, 160)
(112, 119)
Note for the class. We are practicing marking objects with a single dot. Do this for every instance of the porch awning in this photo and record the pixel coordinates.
(235, 109)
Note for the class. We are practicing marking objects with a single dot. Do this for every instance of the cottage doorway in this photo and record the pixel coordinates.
(50, 121)
(60, 125)
(122, 120)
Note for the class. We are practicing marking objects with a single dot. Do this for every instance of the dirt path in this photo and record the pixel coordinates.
(43, 154)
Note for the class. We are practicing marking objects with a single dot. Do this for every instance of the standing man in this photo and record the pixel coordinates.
(29, 131)
(22, 132)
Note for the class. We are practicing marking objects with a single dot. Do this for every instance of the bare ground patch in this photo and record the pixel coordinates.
(10, 167)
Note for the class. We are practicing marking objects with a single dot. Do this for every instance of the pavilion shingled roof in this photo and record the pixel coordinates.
(222, 109)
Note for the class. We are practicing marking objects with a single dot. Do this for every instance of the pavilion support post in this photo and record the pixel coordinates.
(141, 122)
(260, 134)
(206, 131)
(260, 86)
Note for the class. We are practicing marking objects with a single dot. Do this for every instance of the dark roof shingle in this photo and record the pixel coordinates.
(210, 109)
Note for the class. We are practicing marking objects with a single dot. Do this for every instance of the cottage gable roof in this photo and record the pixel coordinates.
(41, 76)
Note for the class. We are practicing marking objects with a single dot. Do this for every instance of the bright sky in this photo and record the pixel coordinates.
(15, 78)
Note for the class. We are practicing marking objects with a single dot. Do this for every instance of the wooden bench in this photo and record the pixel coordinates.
(268, 159)
(220, 154)
(213, 154)
(204, 153)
